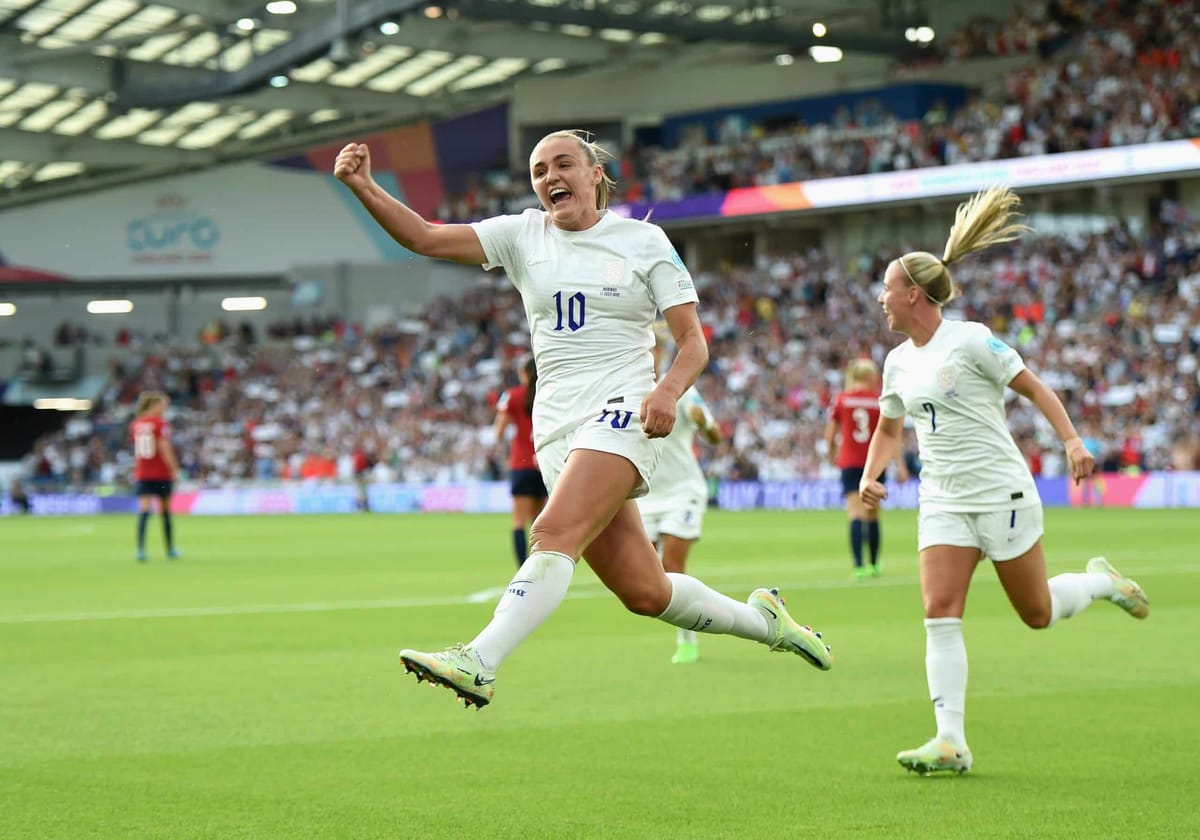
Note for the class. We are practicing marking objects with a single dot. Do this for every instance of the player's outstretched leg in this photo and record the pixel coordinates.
(936, 755)
(786, 634)
(1127, 594)
(531, 596)
(457, 668)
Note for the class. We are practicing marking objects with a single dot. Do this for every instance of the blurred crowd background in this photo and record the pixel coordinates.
(1105, 74)
(1109, 318)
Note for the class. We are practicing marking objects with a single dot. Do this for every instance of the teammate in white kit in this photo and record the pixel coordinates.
(591, 283)
(673, 510)
(977, 496)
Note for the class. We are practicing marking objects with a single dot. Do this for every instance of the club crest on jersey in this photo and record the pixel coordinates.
(612, 272)
(947, 377)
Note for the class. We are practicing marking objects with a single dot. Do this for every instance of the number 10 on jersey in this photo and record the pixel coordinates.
(575, 310)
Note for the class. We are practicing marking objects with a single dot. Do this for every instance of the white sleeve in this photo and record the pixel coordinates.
(998, 362)
(666, 275)
(891, 404)
(498, 236)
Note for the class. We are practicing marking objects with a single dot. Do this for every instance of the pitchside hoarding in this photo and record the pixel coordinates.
(1149, 490)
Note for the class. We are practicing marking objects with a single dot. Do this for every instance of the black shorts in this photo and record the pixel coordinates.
(162, 489)
(527, 483)
(852, 477)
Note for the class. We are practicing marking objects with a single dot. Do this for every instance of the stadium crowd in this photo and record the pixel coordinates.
(1110, 74)
(415, 401)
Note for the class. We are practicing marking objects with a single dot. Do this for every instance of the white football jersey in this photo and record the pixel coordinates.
(953, 389)
(678, 475)
(590, 297)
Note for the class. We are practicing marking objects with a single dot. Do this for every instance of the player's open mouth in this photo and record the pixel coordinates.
(558, 195)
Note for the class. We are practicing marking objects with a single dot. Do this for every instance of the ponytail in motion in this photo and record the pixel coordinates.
(984, 220)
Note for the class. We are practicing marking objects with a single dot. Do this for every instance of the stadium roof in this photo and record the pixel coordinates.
(100, 92)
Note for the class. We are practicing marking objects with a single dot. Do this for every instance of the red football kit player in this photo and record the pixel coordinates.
(855, 414)
(154, 466)
(515, 408)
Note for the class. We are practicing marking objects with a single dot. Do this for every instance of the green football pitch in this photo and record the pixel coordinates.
(252, 689)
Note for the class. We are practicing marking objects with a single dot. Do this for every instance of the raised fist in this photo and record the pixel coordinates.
(353, 165)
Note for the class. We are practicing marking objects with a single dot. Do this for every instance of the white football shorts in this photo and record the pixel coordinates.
(1000, 535)
(680, 516)
(618, 432)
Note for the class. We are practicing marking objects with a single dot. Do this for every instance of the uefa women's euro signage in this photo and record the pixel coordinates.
(172, 233)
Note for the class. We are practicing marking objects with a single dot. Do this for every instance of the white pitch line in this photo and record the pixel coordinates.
(233, 609)
(485, 595)
(582, 591)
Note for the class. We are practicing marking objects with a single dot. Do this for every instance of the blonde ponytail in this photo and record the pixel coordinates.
(983, 220)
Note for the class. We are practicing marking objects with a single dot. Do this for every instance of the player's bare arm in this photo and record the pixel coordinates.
(830, 441)
(1028, 385)
(658, 408)
(168, 456)
(884, 445)
(457, 243)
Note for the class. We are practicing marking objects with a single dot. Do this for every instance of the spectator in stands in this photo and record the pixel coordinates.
(594, 370)
(1105, 79)
(1074, 302)
(515, 408)
(977, 497)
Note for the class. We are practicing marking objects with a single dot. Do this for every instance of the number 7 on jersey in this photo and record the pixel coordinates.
(928, 406)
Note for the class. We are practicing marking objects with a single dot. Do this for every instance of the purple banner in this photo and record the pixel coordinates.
(692, 207)
(1148, 490)
(826, 494)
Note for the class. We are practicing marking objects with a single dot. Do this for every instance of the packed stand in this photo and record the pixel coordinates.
(1114, 74)
(414, 401)
(783, 331)
(407, 402)
(1033, 26)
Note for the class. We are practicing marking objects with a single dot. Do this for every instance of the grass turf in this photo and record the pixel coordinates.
(252, 690)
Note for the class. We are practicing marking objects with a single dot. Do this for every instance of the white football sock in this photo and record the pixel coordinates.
(946, 671)
(532, 595)
(695, 607)
(1073, 592)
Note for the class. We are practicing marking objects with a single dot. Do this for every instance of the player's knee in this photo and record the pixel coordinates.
(546, 535)
(647, 601)
(1037, 617)
(941, 606)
